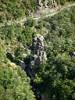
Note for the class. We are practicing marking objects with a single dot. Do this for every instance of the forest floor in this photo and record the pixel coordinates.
(44, 13)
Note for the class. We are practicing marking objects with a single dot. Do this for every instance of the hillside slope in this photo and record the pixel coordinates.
(54, 79)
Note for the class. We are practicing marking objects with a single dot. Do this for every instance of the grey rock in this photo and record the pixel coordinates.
(38, 50)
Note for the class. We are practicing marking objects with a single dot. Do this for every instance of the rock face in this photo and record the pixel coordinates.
(38, 49)
(32, 61)
(42, 3)
(39, 2)
(37, 57)
(46, 2)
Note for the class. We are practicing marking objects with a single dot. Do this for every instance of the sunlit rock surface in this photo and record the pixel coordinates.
(38, 49)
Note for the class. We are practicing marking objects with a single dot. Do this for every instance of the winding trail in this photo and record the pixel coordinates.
(55, 11)
(37, 17)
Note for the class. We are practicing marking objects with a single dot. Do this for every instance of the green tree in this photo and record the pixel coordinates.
(14, 83)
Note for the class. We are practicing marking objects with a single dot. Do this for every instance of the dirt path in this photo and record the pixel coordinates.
(38, 17)
(54, 12)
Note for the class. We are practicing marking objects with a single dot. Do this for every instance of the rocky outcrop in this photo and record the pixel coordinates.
(46, 3)
(38, 49)
(37, 57)
(39, 3)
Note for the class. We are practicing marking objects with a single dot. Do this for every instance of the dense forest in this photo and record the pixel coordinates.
(54, 78)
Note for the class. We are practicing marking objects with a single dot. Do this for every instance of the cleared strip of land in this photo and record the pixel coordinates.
(21, 21)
